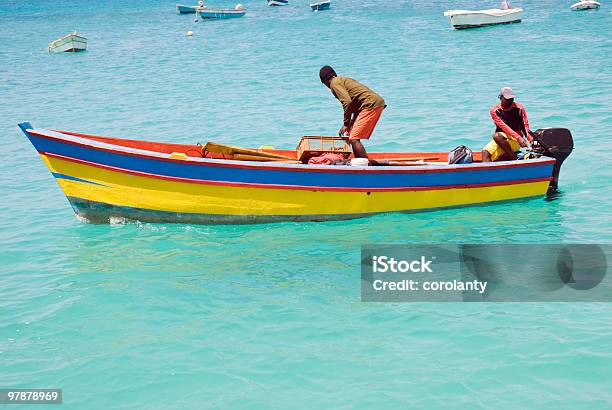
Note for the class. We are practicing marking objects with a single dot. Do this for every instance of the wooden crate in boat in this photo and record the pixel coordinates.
(313, 146)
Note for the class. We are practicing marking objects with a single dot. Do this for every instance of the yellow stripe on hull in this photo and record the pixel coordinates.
(125, 190)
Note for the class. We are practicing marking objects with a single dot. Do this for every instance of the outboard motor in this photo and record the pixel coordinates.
(556, 143)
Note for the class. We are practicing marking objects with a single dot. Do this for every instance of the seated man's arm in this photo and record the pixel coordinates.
(525, 122)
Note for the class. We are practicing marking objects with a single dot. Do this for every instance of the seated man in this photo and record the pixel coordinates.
(362, 108)
(512, 125)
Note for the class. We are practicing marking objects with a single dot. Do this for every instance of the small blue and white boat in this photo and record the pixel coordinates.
(209, 14)
(213, 14)
(320, 5)
(278, 2)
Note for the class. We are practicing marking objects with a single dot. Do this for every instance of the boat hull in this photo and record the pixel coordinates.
(278, 2)
(186, 9)
(103, 182)
(71, 43)
(585, 5)
(464, 19)
(210, 14)
(220, 14)
(101, 212)
(324, 5)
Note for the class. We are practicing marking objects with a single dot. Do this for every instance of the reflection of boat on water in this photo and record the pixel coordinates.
(106, 177)
(320, 5)
(461, 19)
(209, 13)
(586, 5)
(69, 43)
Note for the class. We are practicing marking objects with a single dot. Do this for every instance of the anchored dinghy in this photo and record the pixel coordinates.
(461, 19)
(70, 43)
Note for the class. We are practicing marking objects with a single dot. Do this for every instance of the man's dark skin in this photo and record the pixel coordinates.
(499, 138)
(358, 148)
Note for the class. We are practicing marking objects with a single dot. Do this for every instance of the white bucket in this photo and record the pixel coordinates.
(360, 162)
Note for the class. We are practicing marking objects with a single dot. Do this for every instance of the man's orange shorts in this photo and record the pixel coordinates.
(365, 123)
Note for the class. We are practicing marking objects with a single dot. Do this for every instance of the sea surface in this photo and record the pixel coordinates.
(133, 315)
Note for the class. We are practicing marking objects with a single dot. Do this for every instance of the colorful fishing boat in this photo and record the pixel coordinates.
(70, 43)
(320, 5)
(105, 178)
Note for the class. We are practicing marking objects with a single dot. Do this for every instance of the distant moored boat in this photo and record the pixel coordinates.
(460, 19)
(209, 14)
(69, 43)
(278, 2)
(586, 5)
(320, 5)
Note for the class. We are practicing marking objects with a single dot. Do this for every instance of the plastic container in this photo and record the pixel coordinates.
(360, 162)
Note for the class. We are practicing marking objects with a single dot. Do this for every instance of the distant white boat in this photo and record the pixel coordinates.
(586, 5)
(320, 5)
(278, 2)
(460, 19)
(69, 43)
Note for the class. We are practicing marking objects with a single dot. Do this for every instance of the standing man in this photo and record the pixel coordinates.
(362, 108)
(512, 129)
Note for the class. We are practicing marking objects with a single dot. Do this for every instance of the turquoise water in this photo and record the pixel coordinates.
(157, 316)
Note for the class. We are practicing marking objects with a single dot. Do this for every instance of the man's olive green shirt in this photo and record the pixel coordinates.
(354, 97)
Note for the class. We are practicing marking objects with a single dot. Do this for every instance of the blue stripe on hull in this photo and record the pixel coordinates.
(71, 178)
(287, 177)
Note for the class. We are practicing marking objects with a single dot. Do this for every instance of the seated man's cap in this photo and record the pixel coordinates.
(507, 92)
